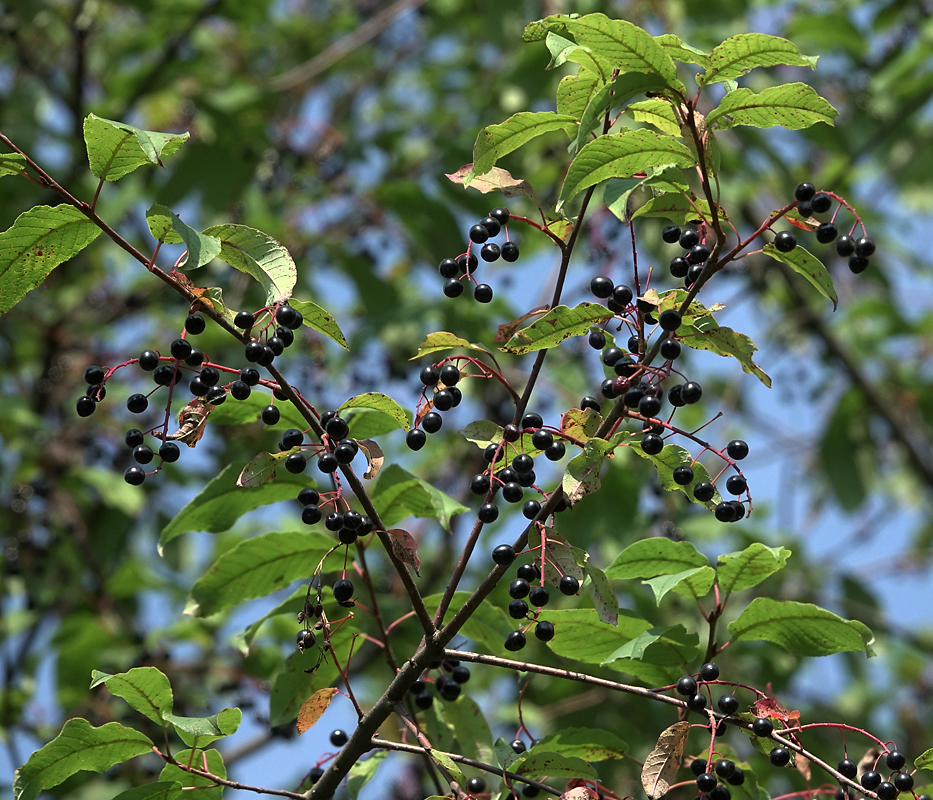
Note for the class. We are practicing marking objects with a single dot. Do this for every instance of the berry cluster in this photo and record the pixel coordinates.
(454, 269)
(446, 396)
(448, 684)
(693, 241)
(856, 249)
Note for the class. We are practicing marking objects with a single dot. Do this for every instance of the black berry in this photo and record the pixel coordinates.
(709, 672)
(704, 491)
(518, 609)
(134, 475)
(845, 245)
(453, 288)
(483, 293)
(432, 422)
(169, 452)
(683, 475)
(488, 513)
(779, 756)
(686, 686)
(476, 785)
(670, 234)
(728, 704)
(338, 738)
(762, 726)
(194, 324)
(544, 631)
(94, 375)
(601, 286)
(785, 241)
(343, 590)
(85, 406)
(821, 203)
(270, 415)
(510, 252)
(148, 360)
(804, 191)
(415, 439)
(737, 449)
(243, 320)
(539, 596)
(137, 403)
(490, 252)
(826, 233)
(848, 768)
(448, 268)
(871, 780)
(515, 641)
(503, 555)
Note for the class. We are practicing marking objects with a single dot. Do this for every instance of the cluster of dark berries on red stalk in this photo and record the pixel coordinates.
(454, 269)
(690, 265)
(348, 526)
(446, 396)
(856, 249)
(512, 480)
(522, 593)
(337, 448)
(449, 684)
(183, 358)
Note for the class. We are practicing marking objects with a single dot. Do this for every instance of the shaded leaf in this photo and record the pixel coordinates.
(375, 458)
(600, 592)
(382, 403)
(737, 571)
(312, 708)
(805, 263)
(79, 746)
(487, 626)
(657, 656)
(206, 788)
(661, 765)
(466, 719)
(259, 256)
(586, 743)
(791, 105)
(560, 323)
(39, 240)
(362, 772)
(583, 636)
(199, 731)
(202, 248)
(290, 605)
(540, 762)
(724, 342)
(746, 51)
(495, 179)
(146, 689)
(160, 790)
(665, 462)
(801, 628)
(581, 477)
(256, 567)
(495, 141)
(261, 469)
(400, 494)
(484, 432)
(320, 320)
(648, 558)
(222, 502)
(447, 763)
(115, 149)
(442, 340)
(621, 155)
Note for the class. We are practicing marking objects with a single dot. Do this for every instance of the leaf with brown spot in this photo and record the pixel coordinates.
(191, 422)
(375, 458)
(312, 708)
(497, 179)
(507, 329)
(405, 547)
(261, 469)
(579, 793)
(661, 766)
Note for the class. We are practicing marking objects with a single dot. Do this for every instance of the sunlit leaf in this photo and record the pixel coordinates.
(558, 324)
(146, 689)
(808, 265)
(746, 51)
(496, 141)
(312, 708)
(791, 105)
(115, 148)
(259, 256)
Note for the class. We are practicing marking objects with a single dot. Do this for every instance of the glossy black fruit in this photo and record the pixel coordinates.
(544, 631)
(270, 415)
(453, 288)
(706, 782)
(243, 320)
(539, 596)
(737, 449)
(194, 324)
(510, 252)
(683, 475)
(848, 768)
(601, 286)
(709, 672)
(134, 475)
(85, 406)
(169, 452)
(483, 293)
(704, 491)
(670, 234)
(686, 686)
(432, 422)
(762, 726)
(804, 191)
(728, 704)
(515, 641)
(343, 590)
(476, 785)
(826, 233)
(488, 513)
(338, 738)
(871, 780)
(415, 439)
(785, 241)
(779, 756)
(518, 609)
(137, 403)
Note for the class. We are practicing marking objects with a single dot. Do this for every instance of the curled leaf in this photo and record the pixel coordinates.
(661, 766)
(191, 421)
(497, 179)
(405, 548)
(375, 458)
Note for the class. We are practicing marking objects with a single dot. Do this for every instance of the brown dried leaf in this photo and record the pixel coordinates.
(497, 179)
(312, 708)
(867, 762)
(405, 548)
(507, 329)
(579, 793)
(375, 458)
(803, 766)
(661, 766)
(191, 421)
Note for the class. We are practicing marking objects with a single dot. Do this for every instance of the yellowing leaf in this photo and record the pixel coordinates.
(312, 708)
(662, 763)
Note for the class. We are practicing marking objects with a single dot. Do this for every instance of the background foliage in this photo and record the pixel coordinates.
(330, 126)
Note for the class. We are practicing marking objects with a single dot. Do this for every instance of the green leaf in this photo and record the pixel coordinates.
(505, 755)
(600, 592)
(494, 180)
(563, 50)
(680, 51)
(221, 503)
(206, 787)
(257, 567)
(495, 141)
(581, 477)
(442, 340)
(115, 149)
(583, 636)
(694, 583)
(199, 731)
(39, 240)
(160, 790)
(746, 51)
(657, 112)
(847, 451)
(586, 743)
(924, 760)
(290, 605)
(78, 747)
(742, 570)
(724, 342)
(259, 256)
(319, 320)
(362, 772)
(621, 155)
(574, 92)
(466, 719)
(400, 494)
(671, 457)
(618, 190)
(167, 227)
(792, 105)
(159, 220)
(658, 655)
(541, 762)
(262, 469)
(624, 46)
(623, 88)
(243, 412)
(383, 404)
(146, 689)
(442, 759)
(678, 209)
(801, 628)
(560, 323)
(649, 558)
(12, 164)
(804, 263)
(487, 626)
(484, 432)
